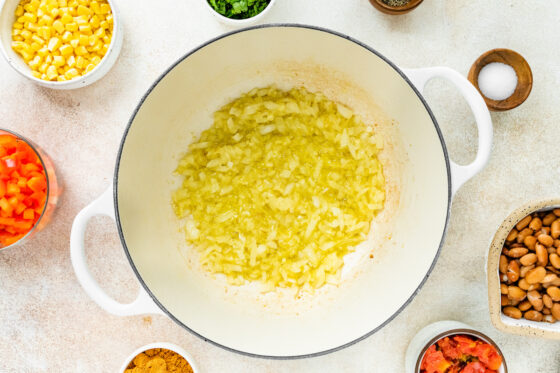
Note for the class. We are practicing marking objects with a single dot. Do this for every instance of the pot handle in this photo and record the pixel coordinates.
(102, 206)
(459, 173)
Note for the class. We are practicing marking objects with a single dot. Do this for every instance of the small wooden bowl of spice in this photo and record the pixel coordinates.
(160, 358)
(503, 77)
(395, 7)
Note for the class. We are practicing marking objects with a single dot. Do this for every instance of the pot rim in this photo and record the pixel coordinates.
(282, 25)
(458, 331)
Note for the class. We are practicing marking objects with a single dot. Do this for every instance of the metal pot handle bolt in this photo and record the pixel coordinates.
(461, 173)
(143, 304)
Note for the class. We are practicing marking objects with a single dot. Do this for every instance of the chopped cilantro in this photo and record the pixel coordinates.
(239, 9)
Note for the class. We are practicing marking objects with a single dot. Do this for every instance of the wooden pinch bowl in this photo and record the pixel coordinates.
(395, 10)
(522, 69)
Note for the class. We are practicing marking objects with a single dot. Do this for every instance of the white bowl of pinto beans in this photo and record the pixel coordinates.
(523, 270)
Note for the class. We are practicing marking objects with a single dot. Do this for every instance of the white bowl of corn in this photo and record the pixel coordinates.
(60, 44)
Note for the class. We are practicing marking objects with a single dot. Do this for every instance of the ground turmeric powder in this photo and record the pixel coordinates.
(158, 360)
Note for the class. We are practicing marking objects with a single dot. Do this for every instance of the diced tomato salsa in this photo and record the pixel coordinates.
(461, 354)
(23, 189)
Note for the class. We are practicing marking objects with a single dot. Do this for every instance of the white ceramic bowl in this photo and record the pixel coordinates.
(168, 346)
(7, 9)
(240, 22)
(433, 333)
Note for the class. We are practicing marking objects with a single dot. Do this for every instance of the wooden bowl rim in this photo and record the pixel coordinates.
(494, 105)
(397, 9)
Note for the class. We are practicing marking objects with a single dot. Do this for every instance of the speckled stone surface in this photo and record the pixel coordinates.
(48, 323)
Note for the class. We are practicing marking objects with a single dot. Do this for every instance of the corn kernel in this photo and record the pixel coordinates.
(49, 59)
(71, 61)
(46, 20)
(36, 74)
(99, 32)
(54, 43)
(66, 50)
(74, 43)
(54, 12)
(18, 25)
(72, 27)
(37, 40)
(43, 67)
(84, 40)
(51, 72)
(89, 68)
(26, 34)
(72, 73)
(95, 60)
(62, 3)
(95, 22)
(45, 32)
(83, 11)
(58, 26)
(17, 45)
(80, 62)
(19, 11)
(86, 29)
(81, 50)
(58, 61)
(27, 56)
(67, 36)
(105, 8)
(30, 17)
(31, 26)
(66, 18)
(35, 46)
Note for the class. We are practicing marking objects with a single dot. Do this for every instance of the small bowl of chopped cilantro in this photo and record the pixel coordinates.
(239, 12)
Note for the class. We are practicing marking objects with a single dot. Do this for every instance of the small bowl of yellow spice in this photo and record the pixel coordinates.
(159, 358)
(60, 44)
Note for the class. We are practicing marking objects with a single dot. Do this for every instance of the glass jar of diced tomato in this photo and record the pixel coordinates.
(29, 189)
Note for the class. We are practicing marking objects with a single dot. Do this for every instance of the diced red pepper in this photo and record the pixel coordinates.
(28, 214)
(23, 186)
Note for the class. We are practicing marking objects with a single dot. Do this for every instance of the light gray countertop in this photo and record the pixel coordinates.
(49, 324)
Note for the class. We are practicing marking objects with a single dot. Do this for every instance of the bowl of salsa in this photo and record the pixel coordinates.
(29, 189)
(453, 347)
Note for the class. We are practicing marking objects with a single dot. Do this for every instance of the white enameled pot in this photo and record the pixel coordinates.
(432, 333)
(7, 17)
(179, 105)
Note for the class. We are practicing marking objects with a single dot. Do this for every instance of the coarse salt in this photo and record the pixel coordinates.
(497, 81)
